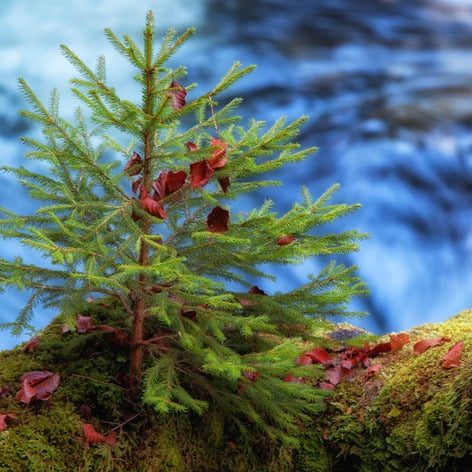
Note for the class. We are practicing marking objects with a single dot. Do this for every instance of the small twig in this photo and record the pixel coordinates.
(122, 424)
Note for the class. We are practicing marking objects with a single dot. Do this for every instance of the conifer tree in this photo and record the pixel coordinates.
(154, 229)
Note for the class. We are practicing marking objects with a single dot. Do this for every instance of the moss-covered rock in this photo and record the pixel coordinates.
(412, 415)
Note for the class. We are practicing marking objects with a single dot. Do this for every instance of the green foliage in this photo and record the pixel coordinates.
(98, 238)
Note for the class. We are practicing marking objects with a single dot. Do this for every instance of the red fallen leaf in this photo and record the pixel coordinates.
(293, 379)
(65, 329)
(191, 146)
(94, 437)
(225, 182)
(326, 386)
(320, 355)
(168, 182)
(380, 349)
(31, 345)
(246, 302)
(452, 358)
(132, 166)
(355, 355)
(422, 346)
(251, 375)
(231, 444)
(304, 359)
(347, 364)
(285, 239)
(256, 290)
(178, 94)
(118, 335)
(136, 183)
(218, 157)
(150, 205)
(397, 341)
(217, 220)
(37, 385)
(200, 173)
(83, 324)
(373, 369)
(335, 374)
(3, 420)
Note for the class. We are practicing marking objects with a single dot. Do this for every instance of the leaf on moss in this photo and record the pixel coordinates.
(94, 437)
(373, 369)
(422, 346)
(380, 349)
(452, 358)
(320, 355)
(37, 385)
(326, 386)
(83, 324)
(304, 359)
(116, 335)
(4, 419)
(31, 345)
(397, 341)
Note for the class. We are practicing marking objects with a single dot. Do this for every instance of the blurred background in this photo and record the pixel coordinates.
(388, 88)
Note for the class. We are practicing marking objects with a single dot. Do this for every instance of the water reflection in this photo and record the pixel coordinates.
(387, 85)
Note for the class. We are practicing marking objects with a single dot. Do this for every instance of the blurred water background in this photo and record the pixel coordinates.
(387, 85)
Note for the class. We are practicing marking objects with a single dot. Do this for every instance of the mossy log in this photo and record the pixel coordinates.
(412, 415)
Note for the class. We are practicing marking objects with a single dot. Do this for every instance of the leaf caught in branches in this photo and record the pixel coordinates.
(178, 94)
(133, 166)
(218, 157)
(217, 220)
(168, 182)
(200, 173)
(152, 206)
(285, 240)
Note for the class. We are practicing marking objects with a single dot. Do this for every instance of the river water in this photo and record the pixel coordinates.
(388, 88)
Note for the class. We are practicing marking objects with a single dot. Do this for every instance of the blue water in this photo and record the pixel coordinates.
(387, 85)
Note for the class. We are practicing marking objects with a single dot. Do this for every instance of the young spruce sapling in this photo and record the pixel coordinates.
(154, 229)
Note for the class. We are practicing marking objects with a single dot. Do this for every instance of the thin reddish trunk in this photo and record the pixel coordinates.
(139, 309)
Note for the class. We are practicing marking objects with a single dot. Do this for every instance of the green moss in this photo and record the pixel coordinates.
(413, 415)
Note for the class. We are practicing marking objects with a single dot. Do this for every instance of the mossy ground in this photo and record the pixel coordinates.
(411, 416)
